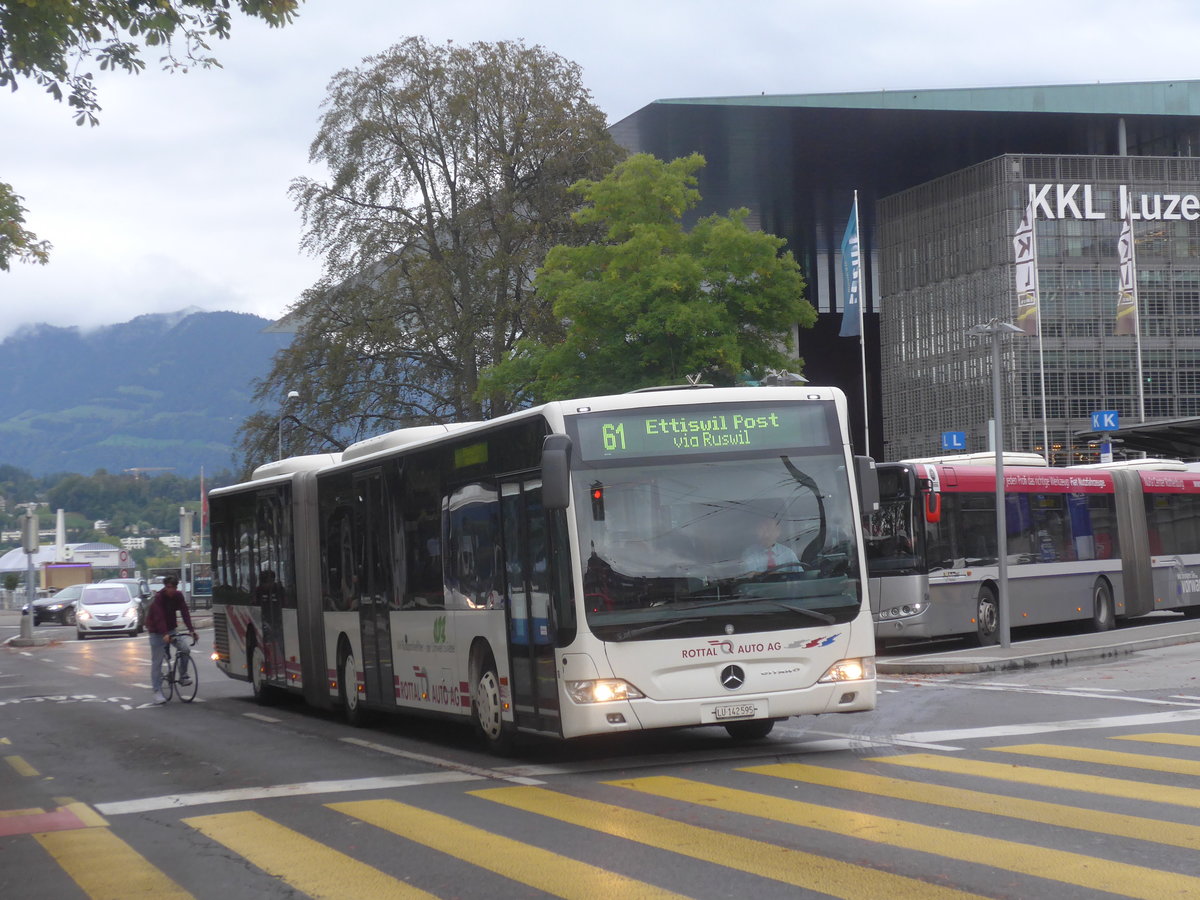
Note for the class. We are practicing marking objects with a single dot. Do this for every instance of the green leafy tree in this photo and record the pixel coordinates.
(16, 241)
(450, 170)
(52, 42)
(653, 303)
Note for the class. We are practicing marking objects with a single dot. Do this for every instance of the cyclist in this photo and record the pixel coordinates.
(160, 626)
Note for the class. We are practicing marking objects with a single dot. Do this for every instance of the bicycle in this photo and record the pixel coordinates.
(179, 673)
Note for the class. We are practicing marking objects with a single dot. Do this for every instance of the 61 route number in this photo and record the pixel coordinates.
(614, 436)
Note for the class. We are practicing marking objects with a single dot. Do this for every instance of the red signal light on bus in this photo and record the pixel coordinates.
(597, 501)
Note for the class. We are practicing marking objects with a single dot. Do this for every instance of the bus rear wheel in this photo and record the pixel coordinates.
(1103, 615)
(352, 709)
(987, 618)
(264, 694)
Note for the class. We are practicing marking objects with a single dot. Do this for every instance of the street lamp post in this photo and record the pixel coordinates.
(185, 544)
(996, 330)
(292, 395)
(29, 543)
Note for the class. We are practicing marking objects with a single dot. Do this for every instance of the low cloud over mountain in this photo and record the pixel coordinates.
(163, 391)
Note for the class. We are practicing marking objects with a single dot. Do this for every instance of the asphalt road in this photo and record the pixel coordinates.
(1074, 781)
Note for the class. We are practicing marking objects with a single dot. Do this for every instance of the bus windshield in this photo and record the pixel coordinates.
(705, 546)
(892, 540)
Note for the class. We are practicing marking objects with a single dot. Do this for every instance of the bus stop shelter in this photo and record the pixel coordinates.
(1169, 438)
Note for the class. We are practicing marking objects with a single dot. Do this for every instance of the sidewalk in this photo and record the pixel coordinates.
(1055, 651)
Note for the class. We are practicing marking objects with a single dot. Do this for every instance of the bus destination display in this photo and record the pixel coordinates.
(676, 431)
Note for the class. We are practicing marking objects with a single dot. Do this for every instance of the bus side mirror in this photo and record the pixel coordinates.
(556, 471)
(868, 484)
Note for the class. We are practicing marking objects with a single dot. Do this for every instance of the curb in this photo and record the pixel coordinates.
(28, 642)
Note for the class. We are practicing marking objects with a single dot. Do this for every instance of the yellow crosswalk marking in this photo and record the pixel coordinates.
(33, 811)
(1179, 740)
(1090, 784)
(550, 872)
(107, 868)
(1054, 865)
(783, 864)
(82, 811)
(1136, 827)
(21, 767)
(307, 865)
(1107, 758)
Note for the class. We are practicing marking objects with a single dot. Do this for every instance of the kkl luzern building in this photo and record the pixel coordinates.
(943, 180)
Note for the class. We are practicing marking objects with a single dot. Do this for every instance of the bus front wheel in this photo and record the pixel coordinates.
(489, 719)
(1103, 616)
(750, 730)
(987, 618)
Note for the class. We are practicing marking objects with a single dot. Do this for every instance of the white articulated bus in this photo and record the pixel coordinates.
(578, 568)
(1088, 543)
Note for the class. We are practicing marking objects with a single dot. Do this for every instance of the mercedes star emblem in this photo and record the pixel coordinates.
(732, 677)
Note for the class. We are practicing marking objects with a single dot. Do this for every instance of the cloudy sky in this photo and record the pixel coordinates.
(179, 198)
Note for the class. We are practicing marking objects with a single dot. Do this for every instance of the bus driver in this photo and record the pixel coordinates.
(767, 553)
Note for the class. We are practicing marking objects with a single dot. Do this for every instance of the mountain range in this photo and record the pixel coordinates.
(157, 392)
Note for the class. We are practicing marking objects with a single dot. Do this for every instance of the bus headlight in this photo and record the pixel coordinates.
(602, 690)
(849, 670)
(900, 612)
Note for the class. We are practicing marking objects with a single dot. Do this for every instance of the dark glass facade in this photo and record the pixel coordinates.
(946, 263)
(795, 163)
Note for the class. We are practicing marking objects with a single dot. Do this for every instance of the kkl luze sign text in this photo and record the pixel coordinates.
(1082, 201)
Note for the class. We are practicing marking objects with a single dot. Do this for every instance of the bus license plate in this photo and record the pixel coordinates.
(725, 712)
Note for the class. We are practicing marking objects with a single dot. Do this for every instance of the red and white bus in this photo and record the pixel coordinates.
(1088, 543)
(572, 569)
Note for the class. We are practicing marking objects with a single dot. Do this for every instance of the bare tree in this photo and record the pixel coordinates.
(449, 176)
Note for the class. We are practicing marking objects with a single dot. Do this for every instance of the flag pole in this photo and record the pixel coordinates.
(1029, 316)
(1129, 321)
(862, 335)
(1041, 350)
(852, 304)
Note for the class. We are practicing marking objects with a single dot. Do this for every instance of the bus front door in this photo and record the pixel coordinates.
(374, 588)
(531, 625)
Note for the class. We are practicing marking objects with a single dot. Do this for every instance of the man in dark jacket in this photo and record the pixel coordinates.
(160, 624)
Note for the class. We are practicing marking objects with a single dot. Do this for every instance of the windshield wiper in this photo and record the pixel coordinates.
(629, 633)
(812, 613)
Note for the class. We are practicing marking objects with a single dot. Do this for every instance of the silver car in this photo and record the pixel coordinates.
(106, 609)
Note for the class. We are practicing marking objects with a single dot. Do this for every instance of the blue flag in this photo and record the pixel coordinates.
(851, 278)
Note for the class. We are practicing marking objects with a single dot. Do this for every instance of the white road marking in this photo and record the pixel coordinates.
(260, 717)
(1080, 693)
(439, 762)
(202, 798)
(101, 675)
(1183, 697)
(858, 741)
(1001, 684)
(732, 755)
(72, 668)
(967, 734)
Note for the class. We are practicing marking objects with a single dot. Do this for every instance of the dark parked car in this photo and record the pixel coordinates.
(139, 591)
(59, 608)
